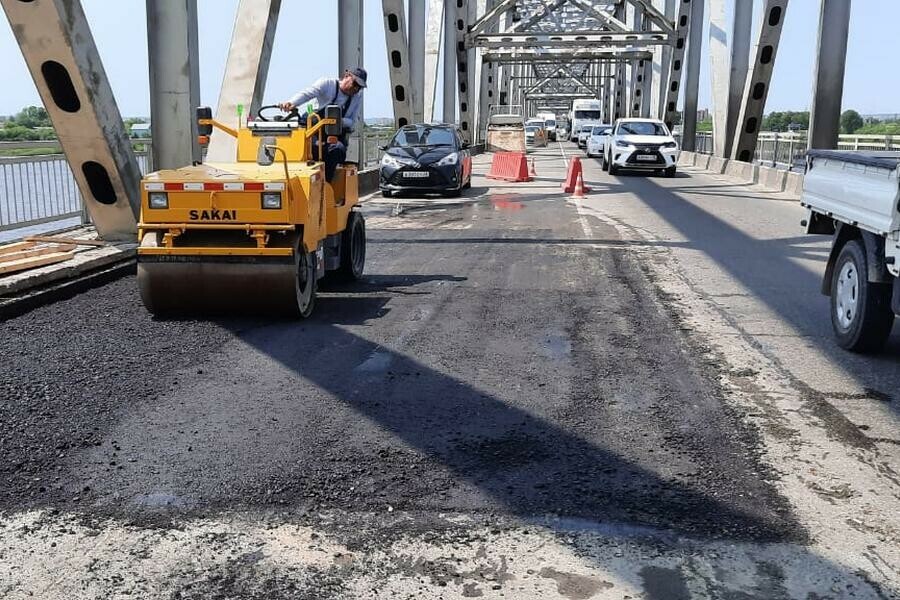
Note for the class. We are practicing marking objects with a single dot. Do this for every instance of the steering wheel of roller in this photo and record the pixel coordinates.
(292, 115)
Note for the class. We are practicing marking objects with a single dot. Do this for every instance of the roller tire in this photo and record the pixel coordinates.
(305, 283)
(353, 248)
(861, 314)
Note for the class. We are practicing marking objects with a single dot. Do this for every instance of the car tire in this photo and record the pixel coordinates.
(452, 193)
(613, 169)
(387, 193)
(861, 314)
(670, 172)
(604, 164)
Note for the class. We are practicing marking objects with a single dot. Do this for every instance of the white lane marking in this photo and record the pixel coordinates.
(563, 152)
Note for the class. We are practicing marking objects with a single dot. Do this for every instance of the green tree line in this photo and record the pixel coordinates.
(32, 123)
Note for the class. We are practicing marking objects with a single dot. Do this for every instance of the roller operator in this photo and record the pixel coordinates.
(344, 92)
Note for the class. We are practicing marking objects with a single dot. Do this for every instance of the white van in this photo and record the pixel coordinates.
(583, 112)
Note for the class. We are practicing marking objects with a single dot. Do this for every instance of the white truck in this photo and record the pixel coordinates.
(854, 197)
(584, 111)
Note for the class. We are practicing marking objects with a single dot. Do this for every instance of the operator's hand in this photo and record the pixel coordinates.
(286, 106)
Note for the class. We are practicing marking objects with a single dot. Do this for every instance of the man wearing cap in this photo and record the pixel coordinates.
(343, 92)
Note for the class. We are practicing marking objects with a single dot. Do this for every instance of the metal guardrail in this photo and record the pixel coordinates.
(41, 189)
(788, 150)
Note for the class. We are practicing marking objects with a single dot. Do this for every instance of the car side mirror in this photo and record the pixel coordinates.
(334, 112)
(204, 112)
(382, 148)
(465, 145)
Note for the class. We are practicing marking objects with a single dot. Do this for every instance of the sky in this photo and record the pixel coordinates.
(305, 50)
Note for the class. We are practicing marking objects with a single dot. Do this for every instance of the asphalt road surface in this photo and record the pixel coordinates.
(521, 399)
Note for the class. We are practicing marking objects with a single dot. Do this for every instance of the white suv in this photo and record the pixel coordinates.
(596, 143)
(642, 144)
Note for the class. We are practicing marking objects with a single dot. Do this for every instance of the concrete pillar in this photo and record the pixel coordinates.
(173, 55)
(417, 57)
(740, 61)
(58, 47)
(432, 53)
(350, 54)
(831, 58)
(692, 77)
(449, 61)
(246, 71)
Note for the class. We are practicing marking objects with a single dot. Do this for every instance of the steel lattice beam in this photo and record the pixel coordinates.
(398, 60)
(676, 61)
(59, 49)
(757, 88)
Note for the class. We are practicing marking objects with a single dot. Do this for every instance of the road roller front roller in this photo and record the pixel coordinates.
(254, 235)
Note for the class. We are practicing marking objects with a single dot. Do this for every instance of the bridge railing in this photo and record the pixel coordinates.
(40, 188)
(788, 150)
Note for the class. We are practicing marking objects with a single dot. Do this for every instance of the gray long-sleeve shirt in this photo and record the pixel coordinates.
(327, 91)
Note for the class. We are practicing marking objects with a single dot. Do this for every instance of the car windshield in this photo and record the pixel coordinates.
(587, 128)
(641, 128)
(531, 128)
(600, 131)
(587, 114)
(419, 136)
(550, 123)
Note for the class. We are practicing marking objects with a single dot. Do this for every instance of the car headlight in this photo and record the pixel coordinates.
(159, 200)
(670, 145)
(621, 144)
(389, 161)
(271, 200)
(450, 159)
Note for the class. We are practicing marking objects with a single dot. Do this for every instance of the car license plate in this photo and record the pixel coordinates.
(646, 158)
(416, 174)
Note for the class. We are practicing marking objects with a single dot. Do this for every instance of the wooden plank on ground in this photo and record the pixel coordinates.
(64, 240)
(11, 256)
(34, 261)
(17, 247)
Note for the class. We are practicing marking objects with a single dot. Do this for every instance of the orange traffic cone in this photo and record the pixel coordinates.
(533, 173)
(579, 187)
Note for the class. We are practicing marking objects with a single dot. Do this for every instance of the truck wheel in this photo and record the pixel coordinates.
(613, 169)
(861, 313)
(353, 248)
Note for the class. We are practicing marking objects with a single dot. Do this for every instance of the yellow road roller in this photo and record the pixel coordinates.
(256, 234)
